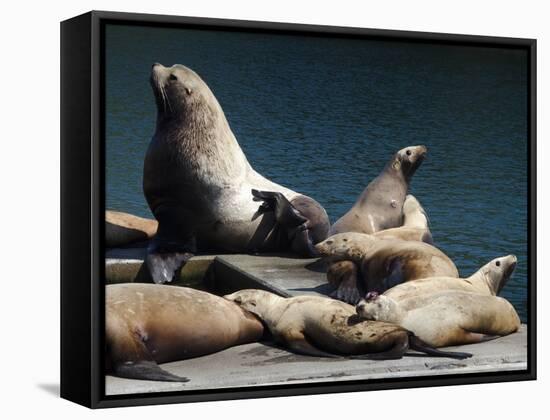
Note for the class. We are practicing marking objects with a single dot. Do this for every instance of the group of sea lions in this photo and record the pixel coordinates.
(394, 290)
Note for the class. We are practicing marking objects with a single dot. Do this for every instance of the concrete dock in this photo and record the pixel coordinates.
(266, 364)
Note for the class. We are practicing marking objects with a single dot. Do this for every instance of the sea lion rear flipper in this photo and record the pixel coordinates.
(299, 343)
(146, 370)
(417, 344)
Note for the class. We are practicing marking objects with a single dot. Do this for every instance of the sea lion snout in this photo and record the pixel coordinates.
(512, 261)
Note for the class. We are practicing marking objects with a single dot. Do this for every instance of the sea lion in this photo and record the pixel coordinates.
(380, 205)
(343, 275)
(447, 318)
(123, 228)
(415, 224)
(203, 191)
(384, 263)
(324, 327)
(488, 280)
(146, 324)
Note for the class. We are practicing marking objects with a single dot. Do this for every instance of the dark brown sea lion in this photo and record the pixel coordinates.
(203, 191)
(147, 324)
(324, 327)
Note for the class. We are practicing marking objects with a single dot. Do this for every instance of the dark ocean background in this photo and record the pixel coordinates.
(323, 116)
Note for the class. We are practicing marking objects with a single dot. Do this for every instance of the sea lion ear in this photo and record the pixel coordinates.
(396, 164)
(370, 296)
(188, 90)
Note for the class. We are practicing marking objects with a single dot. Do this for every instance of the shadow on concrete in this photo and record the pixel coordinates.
(52, 389)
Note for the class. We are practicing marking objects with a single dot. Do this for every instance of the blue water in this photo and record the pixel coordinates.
(323, 116)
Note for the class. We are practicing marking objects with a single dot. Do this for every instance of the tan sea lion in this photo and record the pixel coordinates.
(343, 275)
(146, 324)
(488, 280)
(123, 228)
(384, 263)
(380, 205)
(415, 224)
(203, 191)
(446, 318)
(324, 327)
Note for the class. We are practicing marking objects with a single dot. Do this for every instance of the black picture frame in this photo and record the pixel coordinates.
(83, 198)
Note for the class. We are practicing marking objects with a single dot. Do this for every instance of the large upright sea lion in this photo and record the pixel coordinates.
(202, 190)
(324, 327)
(146, 324)
(445, 318)
(384, 263)
(488, 280)
(380, 205)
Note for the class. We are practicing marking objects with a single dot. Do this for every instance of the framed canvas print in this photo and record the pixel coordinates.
(255, 209)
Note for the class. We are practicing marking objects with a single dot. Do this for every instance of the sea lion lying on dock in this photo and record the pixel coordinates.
(124, 228)
(147, 324)
(324, 327)
(383, 263)
(488, 280)
(445, 318)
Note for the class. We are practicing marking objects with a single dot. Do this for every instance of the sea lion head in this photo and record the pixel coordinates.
(497, 272)
(377, 307)
(408, 160)
(180, 92)
(348, 245)
(253, 300)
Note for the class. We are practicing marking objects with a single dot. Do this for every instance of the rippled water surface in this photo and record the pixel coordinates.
(322, 116)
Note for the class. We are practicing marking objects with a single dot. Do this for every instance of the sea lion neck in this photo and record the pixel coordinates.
(482, 281)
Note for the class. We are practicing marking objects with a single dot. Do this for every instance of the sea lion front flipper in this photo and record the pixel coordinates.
(394, 271)
(348, 291)
(163, 266)
(291, 220)
(298, 343)
(285, 213)
(145, 370)
(164, 259)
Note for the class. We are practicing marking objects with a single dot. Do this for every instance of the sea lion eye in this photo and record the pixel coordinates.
(408, 152)
(173, 77)
(329, 242)
(498, 263)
